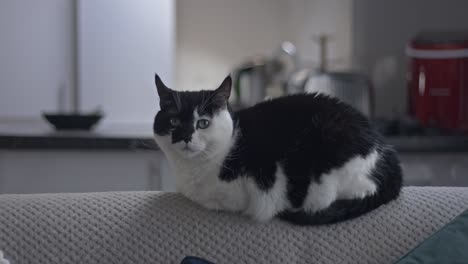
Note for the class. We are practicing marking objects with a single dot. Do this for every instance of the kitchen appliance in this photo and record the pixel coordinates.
(352, 88)
(250, 81)
(438, 79)
(264, 77)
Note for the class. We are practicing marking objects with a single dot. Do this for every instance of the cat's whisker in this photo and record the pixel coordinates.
(141, 150)
(153, 145)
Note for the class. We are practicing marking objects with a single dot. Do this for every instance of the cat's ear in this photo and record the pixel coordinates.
(165, 94)
(223, 92)
(163, 91)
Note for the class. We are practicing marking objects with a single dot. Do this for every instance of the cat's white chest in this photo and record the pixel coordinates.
(209, 191)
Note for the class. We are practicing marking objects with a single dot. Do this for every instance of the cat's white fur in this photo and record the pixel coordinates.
(347, 182)
(197, 171)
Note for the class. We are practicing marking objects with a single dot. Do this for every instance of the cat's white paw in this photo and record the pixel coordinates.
(320, 196)
(261, 211)
(359, 189)
(261, 218)
(211, 205)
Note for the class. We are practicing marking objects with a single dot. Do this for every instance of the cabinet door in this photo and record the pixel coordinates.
(36, 55)
(121, 45)
(40, 172)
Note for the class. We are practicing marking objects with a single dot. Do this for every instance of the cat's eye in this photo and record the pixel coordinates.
(174, 121)
(203, 123)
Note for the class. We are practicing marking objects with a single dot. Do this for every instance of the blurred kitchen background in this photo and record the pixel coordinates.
(77, 95)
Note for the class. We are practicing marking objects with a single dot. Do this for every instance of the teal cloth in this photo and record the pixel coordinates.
(449, 245)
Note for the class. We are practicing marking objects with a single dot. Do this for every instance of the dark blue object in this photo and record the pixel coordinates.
(195, 260)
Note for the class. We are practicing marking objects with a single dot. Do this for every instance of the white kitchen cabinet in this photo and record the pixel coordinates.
(36, 55)
(110, 53)
(80, 171)
(121, 45)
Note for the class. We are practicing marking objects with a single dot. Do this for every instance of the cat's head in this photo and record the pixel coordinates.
(193, 123)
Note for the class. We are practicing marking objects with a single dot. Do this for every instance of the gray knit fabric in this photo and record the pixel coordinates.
(155, 227)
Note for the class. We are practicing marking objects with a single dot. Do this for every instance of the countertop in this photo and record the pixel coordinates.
(40, 137)
(429, 144)
(114, 140)
(75, 141)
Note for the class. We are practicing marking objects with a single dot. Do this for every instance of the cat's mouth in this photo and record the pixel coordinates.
(187, 149)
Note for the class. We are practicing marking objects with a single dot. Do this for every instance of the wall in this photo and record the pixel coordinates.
(213, 36)
(35, 55)
(381, 29)
(368, 36)
(121, 45)
(306, 19)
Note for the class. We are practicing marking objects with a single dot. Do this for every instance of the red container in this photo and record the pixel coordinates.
(438, 79)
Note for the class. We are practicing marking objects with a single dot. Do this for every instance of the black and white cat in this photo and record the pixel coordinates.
(307, 158)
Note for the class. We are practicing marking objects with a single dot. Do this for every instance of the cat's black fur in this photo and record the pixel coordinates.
(307, 134)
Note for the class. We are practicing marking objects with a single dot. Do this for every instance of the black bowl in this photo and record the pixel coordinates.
(62, 121)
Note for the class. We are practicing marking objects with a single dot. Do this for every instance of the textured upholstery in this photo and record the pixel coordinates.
(157, 227)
